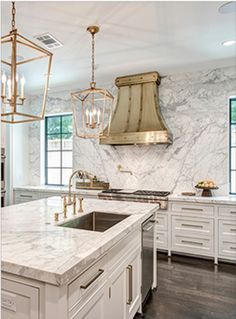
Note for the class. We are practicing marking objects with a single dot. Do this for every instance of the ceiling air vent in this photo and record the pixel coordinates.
(49, 41)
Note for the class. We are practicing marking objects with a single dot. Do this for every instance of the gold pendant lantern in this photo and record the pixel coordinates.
(17, 71)
(92, 107)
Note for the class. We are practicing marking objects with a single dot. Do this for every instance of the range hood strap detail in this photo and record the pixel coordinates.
(129, 110)
(141, 108)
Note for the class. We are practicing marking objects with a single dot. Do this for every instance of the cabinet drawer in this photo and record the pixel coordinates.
(87, 282)
(161, 222)
(227, 248)
(227, 211)
(21, 197)
(192, 226)
(162, 240)
(227, 228)
(116, 256)
(192, 245)
(19, 300)
(192, 208)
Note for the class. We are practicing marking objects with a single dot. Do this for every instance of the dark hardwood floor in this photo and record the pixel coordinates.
(191, 288)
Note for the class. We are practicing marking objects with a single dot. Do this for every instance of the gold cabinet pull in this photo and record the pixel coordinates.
(192, 208)
(192, 242)
(26, 196)
(189, 225)
(98, 274)
(130, 270)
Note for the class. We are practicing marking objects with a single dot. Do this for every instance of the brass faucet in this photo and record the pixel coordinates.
(66, 203)
(80, 205)
(81, 174)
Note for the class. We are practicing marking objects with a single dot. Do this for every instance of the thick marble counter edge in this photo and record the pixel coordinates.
(33, 246)
(225, 200)
(57, 189)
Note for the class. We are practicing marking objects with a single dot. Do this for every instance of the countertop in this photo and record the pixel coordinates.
(225, 200)
(57, 189)
(34, 246)
(228, 200)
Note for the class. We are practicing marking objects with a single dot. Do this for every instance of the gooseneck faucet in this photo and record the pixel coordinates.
(81, 174)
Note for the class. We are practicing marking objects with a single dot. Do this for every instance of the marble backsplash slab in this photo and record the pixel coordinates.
(195, 107)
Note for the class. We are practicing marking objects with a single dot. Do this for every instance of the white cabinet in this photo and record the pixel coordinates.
(87, 284)
(227, 238)
(109, 289)
(162, 230)
(19, 301)
(198, 229)
(133, 283)
(227, 212)
(193, 208)
(192, 235)
(116, 295)
(94, 306)
(25, 196)
(112, 287)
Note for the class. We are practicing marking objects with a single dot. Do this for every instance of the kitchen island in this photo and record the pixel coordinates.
(53, 271)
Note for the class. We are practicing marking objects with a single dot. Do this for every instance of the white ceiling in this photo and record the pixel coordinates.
(135, 37)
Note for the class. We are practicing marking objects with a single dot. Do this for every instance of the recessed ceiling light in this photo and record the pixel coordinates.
(228, 7)
(228, 43)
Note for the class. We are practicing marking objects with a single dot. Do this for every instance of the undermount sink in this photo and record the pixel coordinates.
(95, 221)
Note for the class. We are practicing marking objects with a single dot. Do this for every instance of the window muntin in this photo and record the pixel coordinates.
(58, 149)
(232, 146)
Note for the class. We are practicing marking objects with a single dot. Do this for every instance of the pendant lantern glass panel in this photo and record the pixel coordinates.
(92, 110)
(25, 71)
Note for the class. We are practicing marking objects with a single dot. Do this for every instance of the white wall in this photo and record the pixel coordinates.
(20, 154)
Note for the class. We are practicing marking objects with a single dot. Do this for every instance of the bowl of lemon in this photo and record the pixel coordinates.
(206, 186)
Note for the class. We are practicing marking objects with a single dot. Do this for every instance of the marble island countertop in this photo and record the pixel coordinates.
(34, 246)
(225, 200)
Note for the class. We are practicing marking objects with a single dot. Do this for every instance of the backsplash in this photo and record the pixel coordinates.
(195, 107)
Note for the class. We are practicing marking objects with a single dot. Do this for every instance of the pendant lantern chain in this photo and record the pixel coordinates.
(93, 48)
(13, 12)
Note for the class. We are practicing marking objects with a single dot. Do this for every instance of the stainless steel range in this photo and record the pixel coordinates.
(145, 196)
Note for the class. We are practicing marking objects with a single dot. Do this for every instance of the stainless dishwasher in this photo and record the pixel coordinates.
(147, 257)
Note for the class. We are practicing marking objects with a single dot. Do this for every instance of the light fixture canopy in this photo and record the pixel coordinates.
(14, 108)
(92, 107)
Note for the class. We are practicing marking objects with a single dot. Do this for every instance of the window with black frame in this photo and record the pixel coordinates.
(58, 149)
(232, 139)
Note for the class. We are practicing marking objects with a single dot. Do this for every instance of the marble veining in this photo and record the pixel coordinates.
(57, 190)
(195, 107)
(34, 246)
(225, 200)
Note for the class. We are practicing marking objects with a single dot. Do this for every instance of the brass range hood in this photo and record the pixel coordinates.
(137, 118)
